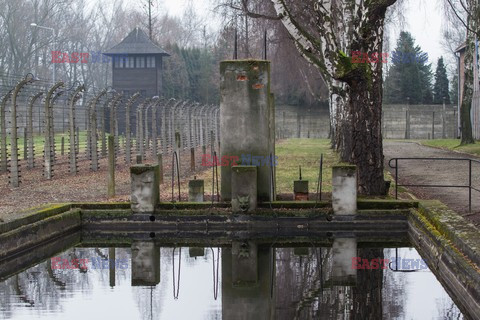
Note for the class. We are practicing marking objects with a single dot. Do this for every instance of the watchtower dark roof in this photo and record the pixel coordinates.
(137, 42)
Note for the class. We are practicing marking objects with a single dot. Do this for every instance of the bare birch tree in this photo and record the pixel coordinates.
(325, 32)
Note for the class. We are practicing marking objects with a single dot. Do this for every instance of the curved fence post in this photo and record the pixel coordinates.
(93, 131)
(128, 136)
(72, 129)
(14, 165)
(3, 134)
(29, 137)
(49, 144)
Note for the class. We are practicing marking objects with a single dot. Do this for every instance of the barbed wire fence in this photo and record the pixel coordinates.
(62, 128)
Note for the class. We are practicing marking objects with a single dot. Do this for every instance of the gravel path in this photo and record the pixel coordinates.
(437, 172)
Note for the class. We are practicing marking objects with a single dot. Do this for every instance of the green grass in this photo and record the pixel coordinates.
(293, 153)
(38, 142)
(453, 144)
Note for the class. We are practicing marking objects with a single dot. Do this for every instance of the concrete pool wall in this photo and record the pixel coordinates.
(447, 241)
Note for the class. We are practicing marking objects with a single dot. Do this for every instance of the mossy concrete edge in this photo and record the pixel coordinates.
(463, 234)
(457, 273)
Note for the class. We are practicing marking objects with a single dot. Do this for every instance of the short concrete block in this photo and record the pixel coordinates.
(196, 252)
(344, 250)
(301, 251)
(244, 189)
(196, 190)
(300, 190)
(344, 189)
(144, 188)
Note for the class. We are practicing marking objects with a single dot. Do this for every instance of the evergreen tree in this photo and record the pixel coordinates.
(409, 76)
(440, 90)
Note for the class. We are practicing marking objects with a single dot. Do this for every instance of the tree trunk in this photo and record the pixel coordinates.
(465, 109)
(359, 27)
(366, 148)
(363, 129)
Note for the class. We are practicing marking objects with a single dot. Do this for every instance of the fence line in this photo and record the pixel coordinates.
(39, 125)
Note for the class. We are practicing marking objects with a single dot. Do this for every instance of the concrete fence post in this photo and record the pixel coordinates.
(140, 137)
(89, 130)
(3, 133)
(407, 120)
(128, 131)
(147, 136)
(74, 131)
(48, 152)
(31, 147)
(14, 163)
(433, 125)
(93, 131)
(455, 125)
(154, 129)
(160, 167)
(77, 140)
(103, 129)
(444, 122)
(25, 144)
(192, 159)
(111, 166)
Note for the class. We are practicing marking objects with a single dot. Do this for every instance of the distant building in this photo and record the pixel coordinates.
(137, 65)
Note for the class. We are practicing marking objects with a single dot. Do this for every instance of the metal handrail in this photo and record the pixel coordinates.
(469, 186)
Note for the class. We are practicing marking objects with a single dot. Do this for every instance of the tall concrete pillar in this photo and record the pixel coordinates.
(244, 119)
(247, 282)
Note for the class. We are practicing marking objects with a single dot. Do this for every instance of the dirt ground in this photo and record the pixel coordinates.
(87, 185)
(437, 172)
(92, 186)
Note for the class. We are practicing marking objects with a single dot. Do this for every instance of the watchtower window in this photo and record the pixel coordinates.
(150, 62)
(130, 62)
(118, 62)
(140, 62)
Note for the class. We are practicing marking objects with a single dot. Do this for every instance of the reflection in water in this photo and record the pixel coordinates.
(251, 281)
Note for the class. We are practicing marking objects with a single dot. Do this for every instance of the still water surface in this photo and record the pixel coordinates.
(238, 282)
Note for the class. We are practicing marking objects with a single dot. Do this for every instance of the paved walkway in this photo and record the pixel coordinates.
(437, 172)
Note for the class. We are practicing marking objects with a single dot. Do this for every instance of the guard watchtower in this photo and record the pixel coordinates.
(137, 65)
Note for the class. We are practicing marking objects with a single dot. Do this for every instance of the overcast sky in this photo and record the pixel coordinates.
(423, 20)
